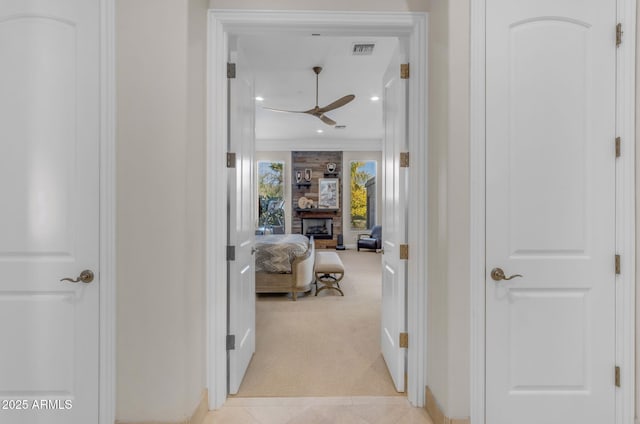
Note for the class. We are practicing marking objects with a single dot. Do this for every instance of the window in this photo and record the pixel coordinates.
(271, 197)
(363, 194)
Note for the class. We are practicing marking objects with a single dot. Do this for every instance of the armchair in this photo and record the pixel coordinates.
(372, 240)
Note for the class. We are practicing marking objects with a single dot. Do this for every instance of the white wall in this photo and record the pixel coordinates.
(160, 196)
(637, 214)
(281, 156)
(350, 236)
(448, 313)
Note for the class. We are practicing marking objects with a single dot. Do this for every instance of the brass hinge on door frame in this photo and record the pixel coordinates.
(404, 340)
(404, 159)
(231, 160)
(619, 33)
(404, 71)
(404, 251)
(618, 142)
(231, 253)
(617, 376)
(231, 70)
(231, 341)
(617, 264)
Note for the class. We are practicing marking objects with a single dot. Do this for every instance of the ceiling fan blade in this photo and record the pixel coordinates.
(318, 112)
(310, 111)
(287, 111)
(326, 120)
(338, 103)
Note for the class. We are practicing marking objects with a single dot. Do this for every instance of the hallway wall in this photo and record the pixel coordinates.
(448, 296)
(160, 213)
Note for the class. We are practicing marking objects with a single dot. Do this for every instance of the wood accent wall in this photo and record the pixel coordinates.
(317, 162)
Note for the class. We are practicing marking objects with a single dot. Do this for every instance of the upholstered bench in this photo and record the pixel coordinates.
(328, 270)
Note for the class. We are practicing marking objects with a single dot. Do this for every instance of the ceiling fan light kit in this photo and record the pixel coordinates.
(319, 112)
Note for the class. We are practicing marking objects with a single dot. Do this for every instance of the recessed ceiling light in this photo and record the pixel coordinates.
(319, 131)
(375, 98)
(259, 99)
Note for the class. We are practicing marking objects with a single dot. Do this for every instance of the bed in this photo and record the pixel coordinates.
(284, 264)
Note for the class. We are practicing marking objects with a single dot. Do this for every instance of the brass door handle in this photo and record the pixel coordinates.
(498, 274)
(85, 276)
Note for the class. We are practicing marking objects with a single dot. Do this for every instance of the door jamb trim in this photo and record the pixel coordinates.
(107, 280)
(222, 22)
(625, 212)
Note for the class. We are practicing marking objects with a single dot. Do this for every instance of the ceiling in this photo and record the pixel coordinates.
(284, 78)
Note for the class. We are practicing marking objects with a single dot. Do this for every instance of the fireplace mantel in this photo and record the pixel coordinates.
(316, 211)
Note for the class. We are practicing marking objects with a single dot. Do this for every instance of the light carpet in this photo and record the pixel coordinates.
(325, 345)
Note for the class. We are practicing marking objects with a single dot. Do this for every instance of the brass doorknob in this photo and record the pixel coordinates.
(85, 276)
(498, 274)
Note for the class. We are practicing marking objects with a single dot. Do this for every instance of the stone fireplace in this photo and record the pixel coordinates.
(325, 224)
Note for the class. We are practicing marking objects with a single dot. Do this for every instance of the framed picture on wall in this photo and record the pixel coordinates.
(328, 193)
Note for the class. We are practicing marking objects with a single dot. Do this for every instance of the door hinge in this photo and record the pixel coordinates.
(404, 340)
(404, 71)
(231, 70)
(231, 160)
(617, 376)
(404, 251)
(404, 159)
(231, 253)
(618, 142)
(617, 264)
(619, 33)
(231, 341)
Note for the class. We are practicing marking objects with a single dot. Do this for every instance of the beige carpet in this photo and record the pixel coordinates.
(327, 345)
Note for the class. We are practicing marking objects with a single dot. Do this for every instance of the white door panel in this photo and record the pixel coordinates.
(242, 222)
(49, 103)
(550, 211)
(394, 205)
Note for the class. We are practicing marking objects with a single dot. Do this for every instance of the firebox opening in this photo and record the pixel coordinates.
(319, 228)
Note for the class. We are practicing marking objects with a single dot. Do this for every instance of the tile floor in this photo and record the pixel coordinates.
(319, 410)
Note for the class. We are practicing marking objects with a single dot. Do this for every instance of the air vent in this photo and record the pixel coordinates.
(362, 49)
(340, 127)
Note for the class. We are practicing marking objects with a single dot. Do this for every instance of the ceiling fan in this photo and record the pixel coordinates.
(319, 112)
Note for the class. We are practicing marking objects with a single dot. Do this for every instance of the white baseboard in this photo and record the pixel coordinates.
(436, 414)
(202, 409)
(198, 416)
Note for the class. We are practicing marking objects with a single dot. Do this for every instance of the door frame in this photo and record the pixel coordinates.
(107, 330)
(625, 211)
(222, 24)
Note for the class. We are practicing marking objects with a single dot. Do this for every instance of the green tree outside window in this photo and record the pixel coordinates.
(271, 195)
(363, 175)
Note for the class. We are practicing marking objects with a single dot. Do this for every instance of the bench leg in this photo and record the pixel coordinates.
(329, 287)
(329, 282)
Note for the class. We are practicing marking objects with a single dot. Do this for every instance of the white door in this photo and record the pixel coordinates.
(49, 139)
(242, 291)
(394, 233)
(550, 131)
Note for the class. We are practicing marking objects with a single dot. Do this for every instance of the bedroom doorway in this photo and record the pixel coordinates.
(410, 25)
